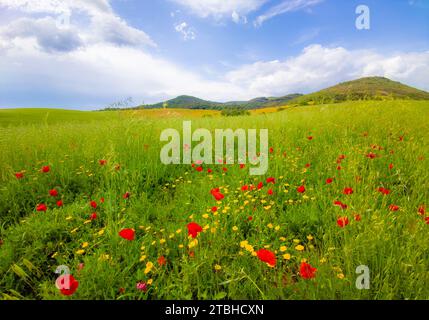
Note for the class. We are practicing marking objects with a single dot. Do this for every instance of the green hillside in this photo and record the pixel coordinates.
(370, 88)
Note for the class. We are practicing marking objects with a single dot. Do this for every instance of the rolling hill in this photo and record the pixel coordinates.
(369, 88)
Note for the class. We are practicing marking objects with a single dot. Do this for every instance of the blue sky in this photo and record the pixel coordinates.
(86, 54)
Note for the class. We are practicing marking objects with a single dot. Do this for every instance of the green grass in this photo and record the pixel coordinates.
(164, 199)
(40, 116)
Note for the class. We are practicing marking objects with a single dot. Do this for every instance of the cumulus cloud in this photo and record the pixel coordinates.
(317, 67)
(219, 9)
(185, 30)
(283, 7)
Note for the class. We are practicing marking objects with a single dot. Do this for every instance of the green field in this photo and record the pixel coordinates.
(383, 143)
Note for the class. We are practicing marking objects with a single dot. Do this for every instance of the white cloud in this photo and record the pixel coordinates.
(52, 34)
(219, 9)
(186, 31)
(283, 7)
(318, 67)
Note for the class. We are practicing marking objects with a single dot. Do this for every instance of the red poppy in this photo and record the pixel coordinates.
(271, 180)
(53, 193)
(214, 209)
(42, 207)
(307, 165)
(199, 169)
(46, 169)
(393, 207)
(127, 234)
(427, 220)
(191, 254)
(60, 203)
(193, 229)
(384, 191)
(271, 150)
(371, 155)
(306, 271)
(244, 188)
(342, 221)
(358, 217)
(422, 210)
(102, 200)
(102, 162)
(391, 166)
(339, 168)
(341, 157)
(329, 180)
(301, 189)
(270, 192)
(260, 185)
(340, 204)
(216, 194)
(242, 165)
(348, 191)
(93, 204)
(93, 216)
(69, 287)
(224, 169)
(249, 218)
(162, 261)
(209, 170)
(126, 195)
(310, 138)
(19, 175)
(267, 256)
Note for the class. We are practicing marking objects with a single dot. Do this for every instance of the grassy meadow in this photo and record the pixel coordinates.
(351, 183)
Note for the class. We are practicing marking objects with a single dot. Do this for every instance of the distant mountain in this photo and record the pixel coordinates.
(369, 88)
(189, 102)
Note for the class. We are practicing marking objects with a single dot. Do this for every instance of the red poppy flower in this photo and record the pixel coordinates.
(310, 138)
(244, 188)
(307, 165)
(358, 217)
(191, 254)
(67, 286)
(209, 170)
(19, 175)
(427, 220)
(391, 166)
(422, 210)
(242, 165)
(271, 150)
(127, 234)
(93, 216)
(46, 169)
(271, 180)
(340, 204)
(162, 261)
(348, 191)
(306, 271)
(371, 155)
(342, 221)
(42, 207)
(193, 229)
(199, 169)
(249, 218)
(393, 207)
(225, 169)
(93, 204)
(383, 191)
(102, 200)
(329, 180)
(339, 168)
(270, 192)
(260, 185)
(267, 256)
(102, 162)
(214, 209)
(60, 203)
(216, 194)
(341, 157)
(301, 189)
(126, 195)
(53, 193)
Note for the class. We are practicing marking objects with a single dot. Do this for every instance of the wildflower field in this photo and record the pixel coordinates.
(347, 186)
